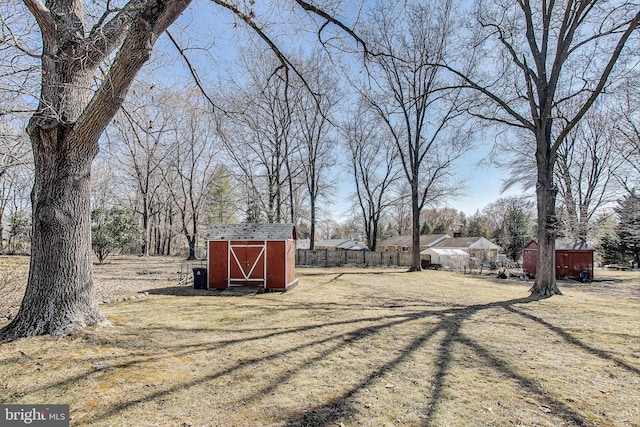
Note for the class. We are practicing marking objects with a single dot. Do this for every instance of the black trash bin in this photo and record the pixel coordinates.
(200, 278)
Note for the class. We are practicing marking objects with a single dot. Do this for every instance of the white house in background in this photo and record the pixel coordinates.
(303, 244)
(405, 243)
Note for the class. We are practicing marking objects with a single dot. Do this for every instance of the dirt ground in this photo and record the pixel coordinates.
(119, 277)
(347, 347)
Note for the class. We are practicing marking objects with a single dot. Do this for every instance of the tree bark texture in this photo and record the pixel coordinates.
(545, 281)
(416, 265)
(64, 133)
(59, 296)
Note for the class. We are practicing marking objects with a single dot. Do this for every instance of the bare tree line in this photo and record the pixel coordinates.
(262, 138)
(541, 72)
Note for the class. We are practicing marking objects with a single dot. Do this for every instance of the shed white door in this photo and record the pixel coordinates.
(247, 264)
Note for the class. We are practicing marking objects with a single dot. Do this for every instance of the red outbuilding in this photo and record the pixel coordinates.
(572, 258)
(261, 255)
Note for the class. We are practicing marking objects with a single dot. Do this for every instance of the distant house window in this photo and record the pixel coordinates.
(405, 249)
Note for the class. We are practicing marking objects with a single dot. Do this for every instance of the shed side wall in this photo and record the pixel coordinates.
(218, 264)
(569, 263)
(529, 260)
(290, 262)
(276, 274)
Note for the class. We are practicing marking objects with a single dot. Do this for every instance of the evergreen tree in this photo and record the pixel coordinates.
(611, 249)
(113, 229)
(19, 231)
(253, 212)
(220, 208)
(440, 228)
(463, 226)
(476, 226)
(425, 229)
(518, 232)
(628, 229)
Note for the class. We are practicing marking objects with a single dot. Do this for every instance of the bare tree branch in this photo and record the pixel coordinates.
(613, 59)
(192, 70)
(42, 15)
(471, 84)
(136, 49)
(330, 19)
(103, 39)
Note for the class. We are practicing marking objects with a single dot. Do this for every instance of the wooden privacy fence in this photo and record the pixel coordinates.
(327, 258)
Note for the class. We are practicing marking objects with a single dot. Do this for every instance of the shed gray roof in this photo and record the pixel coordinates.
(564, 245)
(573, 245)
(251, 232)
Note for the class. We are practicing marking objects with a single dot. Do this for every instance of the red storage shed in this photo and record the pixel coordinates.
(572, 257)
(260, 255)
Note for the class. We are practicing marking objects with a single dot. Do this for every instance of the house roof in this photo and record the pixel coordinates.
(407, 240)
(341, 244)
(251, 232)
(466, 243)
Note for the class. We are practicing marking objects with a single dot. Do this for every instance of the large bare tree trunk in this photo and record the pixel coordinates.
(545, 282)
(59, 294)
(64, 134)
(59, 297)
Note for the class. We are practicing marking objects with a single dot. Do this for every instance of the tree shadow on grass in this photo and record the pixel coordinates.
(323, 342)
(183, 291)
(189, 290)
(574, 341)
(450, 323)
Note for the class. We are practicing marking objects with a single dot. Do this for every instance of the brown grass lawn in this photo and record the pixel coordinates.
(351, 347)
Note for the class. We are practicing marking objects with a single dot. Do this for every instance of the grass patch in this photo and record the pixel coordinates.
(13, 277)
(348, 347)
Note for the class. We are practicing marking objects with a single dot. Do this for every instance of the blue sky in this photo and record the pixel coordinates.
(483, 186)
(210, 34)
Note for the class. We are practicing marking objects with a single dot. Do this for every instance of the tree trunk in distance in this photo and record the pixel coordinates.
(416, 265)
(545, 281)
